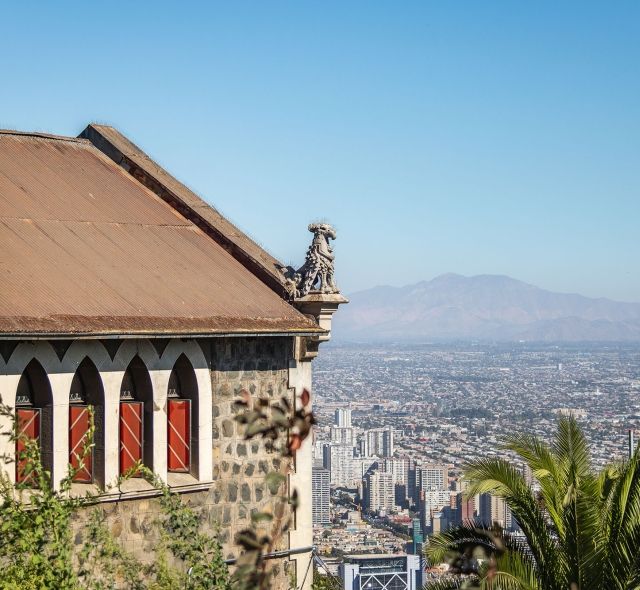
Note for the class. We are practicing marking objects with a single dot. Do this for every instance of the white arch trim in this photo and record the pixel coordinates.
(111, 372)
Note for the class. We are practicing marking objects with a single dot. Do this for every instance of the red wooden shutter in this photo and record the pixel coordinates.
(28, 421)
(78, 432)
(179, 435)
(131, 414)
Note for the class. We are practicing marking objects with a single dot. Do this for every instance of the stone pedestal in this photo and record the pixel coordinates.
(320, 306)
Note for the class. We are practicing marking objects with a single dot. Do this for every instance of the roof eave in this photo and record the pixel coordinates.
(154, 334)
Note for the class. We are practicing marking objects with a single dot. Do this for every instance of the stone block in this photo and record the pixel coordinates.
(228, 428)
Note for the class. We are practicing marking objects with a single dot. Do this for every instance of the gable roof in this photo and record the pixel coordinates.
(86, 249)
(149, 173)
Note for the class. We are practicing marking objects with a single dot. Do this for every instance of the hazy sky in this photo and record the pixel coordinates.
(470, 137)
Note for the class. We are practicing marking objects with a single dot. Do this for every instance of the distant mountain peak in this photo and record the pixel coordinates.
(485, 307)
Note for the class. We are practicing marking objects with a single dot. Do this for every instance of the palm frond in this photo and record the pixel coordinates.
(623, 531)
(581, 539)
(500, 478)
(460, 540)
(570, 447)
(582, 530)
(545, 468)
(515, 571)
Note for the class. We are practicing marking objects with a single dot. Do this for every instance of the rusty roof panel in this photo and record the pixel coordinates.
(128, 155)
(86, 249)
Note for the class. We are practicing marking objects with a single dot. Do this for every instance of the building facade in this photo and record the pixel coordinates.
(392, 572)
(494, 510)
(379, 492)
(432, 477)
(342, 418)
(378, 442)
(342, 435)
(338, 459)
(123, 291)
(321, 495)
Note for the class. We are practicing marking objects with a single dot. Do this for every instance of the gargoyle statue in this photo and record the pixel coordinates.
(316, 274)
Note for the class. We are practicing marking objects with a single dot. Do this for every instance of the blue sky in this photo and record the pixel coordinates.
(470, 137)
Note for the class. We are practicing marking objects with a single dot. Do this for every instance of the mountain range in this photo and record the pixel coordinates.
(483, 307)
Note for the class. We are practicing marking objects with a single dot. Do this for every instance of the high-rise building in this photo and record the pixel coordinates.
(388, 446)
(399, 468)
(379, 492)
(412, 487)
(318, 452)
(430, 502)
(466, 508)
(378, 442)
(527, 473)
(342, 418)
(415, 546)
(439, 522)
(363, 465)
(494, 510)
(362, 448)
(343, 435)
(631, 444)
(432, 477)
(321, 496)
(338, 459)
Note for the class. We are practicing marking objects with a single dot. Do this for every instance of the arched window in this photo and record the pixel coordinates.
(136, 417)
(34, 417)
(86, 390)
(182, 419)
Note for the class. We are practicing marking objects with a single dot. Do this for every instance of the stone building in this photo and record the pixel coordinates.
(123, 290)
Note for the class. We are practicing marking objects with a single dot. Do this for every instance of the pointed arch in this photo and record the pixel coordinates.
(34, 415)
(182, 418)
(136, 416)
(87, 390)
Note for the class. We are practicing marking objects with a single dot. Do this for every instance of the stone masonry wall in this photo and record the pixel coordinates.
(260, 366)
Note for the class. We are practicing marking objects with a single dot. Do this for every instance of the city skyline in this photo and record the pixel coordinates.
(484, 139)
(443, 407)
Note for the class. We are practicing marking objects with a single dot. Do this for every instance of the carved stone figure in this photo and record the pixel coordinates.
(316, 274)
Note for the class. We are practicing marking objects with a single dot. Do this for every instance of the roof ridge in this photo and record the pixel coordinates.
(42, 135)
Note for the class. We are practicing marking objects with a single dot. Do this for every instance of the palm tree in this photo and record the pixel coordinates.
(582, 528)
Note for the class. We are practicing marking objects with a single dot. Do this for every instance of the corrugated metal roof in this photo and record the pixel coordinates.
(137, 163)
(86, 249)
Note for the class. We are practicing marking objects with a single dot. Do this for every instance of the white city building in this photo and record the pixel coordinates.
(321, 496)
(379, 492)
(338, 459)
(342, 418)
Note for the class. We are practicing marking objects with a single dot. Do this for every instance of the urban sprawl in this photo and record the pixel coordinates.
(396, 425)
